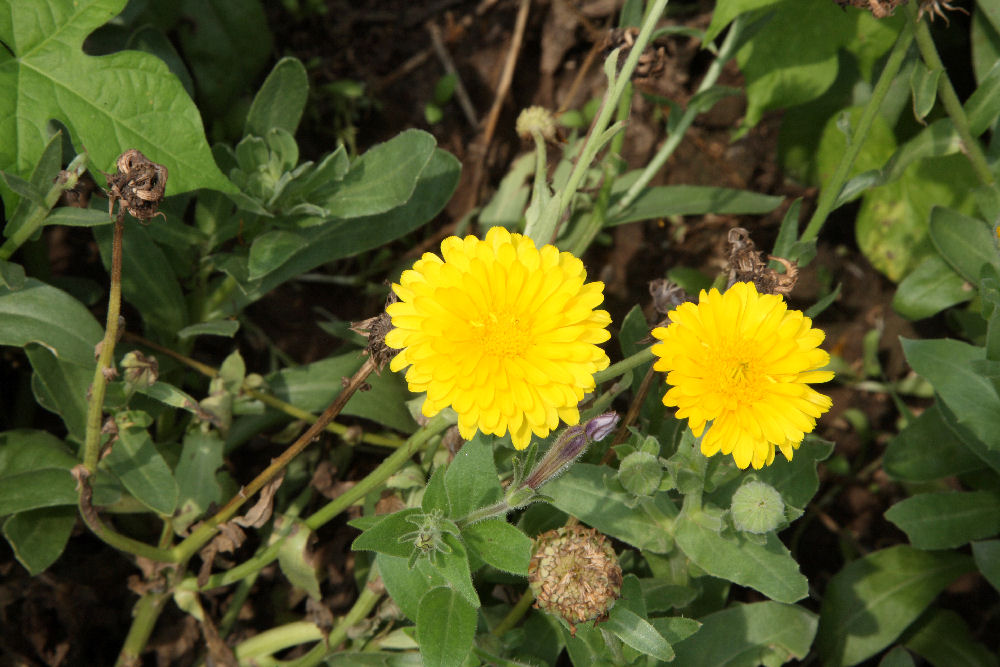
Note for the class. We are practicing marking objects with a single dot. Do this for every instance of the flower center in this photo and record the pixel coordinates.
(737, 373)
(503, 334)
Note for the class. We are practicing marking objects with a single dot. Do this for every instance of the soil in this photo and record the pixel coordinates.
(78, 611)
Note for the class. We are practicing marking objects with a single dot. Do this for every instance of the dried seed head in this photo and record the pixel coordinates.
(537, 119)
(375, 328)
(139, 185)
(747, 266)
(574, 574)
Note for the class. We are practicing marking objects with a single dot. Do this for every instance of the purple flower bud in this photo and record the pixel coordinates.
(601, 426)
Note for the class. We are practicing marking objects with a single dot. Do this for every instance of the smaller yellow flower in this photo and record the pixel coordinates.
(504, 333)
(744, 362)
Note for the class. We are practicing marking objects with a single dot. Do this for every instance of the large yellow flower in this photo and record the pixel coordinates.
(504, 333)
(743, 361)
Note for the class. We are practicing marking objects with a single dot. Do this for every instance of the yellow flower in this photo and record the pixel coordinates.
(504, 333)
(744, 362)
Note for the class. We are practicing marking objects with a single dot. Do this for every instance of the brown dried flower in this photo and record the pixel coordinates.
(747, 266)
(139, 185)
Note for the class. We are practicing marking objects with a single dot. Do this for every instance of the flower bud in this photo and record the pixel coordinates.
(601, 426)
(757, 508)
(139, 371)
(569, 446)
(537, 119)
(574, 574)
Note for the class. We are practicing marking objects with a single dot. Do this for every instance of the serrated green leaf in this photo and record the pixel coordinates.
(973, 399)
(930, 288)
(471, 478)
(38, 537)
(768, 567)
(135, 461)
(40, 313)
(280, 100)
(499, 544)
(872, 600)
(927, 450)
(48, 76)
(384, 536)
(947, 520)
(943, 638)
(769, 633)
(446, 626)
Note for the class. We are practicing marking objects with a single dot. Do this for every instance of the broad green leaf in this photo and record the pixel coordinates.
(47, 75)
(70, 216)
(927, 450)
(768, 567)
(148, 280)
(471, 478)
(370, 658)
(435, 496)
(314, 386)
(385, 537)
(872, 600)
(762, 633)
(930, 288)
(22, 450)
(878, 147)
(40, 313)
(499, 544)
(727, 10)
(668, 200)
(384, 177)
(454, 567)
(280, 100)
(797, 480)
(197, 484)
(638, 633)
(983, 106)
(47, 487)
(296, 561)
(991, 457)
(12, 275)
(151, 39)
(966, 243)
(947, 364)
(61, 387)
(35, 192)
(226, 43)
(582, 493)
(897, 657)
(38, 537)
(227, 328)
(663, 595)
(923, 85)
(272, 249)
(344, 238)
(947, 520)
(943, 638)
(987, 557)
(446, 626)
(985, 39)
(406, 586)
(135, 461)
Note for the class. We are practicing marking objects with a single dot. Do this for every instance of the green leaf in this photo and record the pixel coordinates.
(727, 10)
(148, 280)
(983, 106)
(927, 450)
(61, 387)
(385, 536)
(638, 633)
(797, 480)
(929, 289)
(897, 657)
(923, 85)
(280, 100)
(985, 38)
(227, 328)
(987, 557)
(197, 484)
(23, 450)
(499, 544)
(872, 600)
(947, 364)
(435, 496)
(47, 487)
(471, 478)
(446, 626)
(296, 561)
(768, 567)
(668, 200)
(384, 177)
(38, 537)
(47, 75)
(135, 461)
(40, 313)
(406, 586)
(70, 216)
(943, 638)
(762, 633)
(272, 249)
(947, 520)
(966, 243)
(582, 493)
(454, 567)
(11, 275)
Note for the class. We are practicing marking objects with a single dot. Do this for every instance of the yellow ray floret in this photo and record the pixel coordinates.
(503, 332)
(744, 362)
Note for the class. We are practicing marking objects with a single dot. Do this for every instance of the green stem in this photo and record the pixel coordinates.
(949, 99)
(362, 607)
(831, 189)
(66, 180)
(144, 616)
(596, 139)
(674, 140)
(277, 639)
(641, 357)
(541, 229)
(515, 614)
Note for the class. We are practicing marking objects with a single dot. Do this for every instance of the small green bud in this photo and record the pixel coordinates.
(139, 371)
(536, 119)
(640, 473)
(757, 508)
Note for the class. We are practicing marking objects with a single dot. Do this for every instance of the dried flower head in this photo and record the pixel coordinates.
(139, 185)
(574, 574)
(744, 362)
(504, 333)
(536, 119)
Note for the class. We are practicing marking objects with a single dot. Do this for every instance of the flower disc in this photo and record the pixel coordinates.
(743, 361)
(504, 333)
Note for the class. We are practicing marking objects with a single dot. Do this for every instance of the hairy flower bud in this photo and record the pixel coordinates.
(536, 119)
(574, 574)
(757, 508)
(569, 446)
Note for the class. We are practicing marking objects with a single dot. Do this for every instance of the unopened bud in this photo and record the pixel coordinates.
(757, 508)
(601, 426)
(536, 119)
(139, 371)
